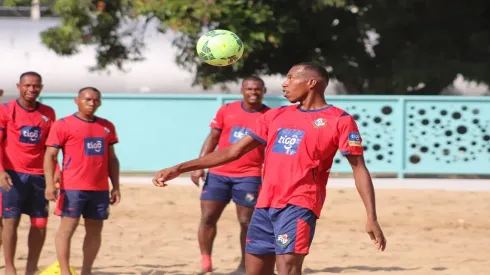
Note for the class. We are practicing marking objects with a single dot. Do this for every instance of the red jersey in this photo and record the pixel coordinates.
(234, 122)
(300, 149)
(85, 152)
(24, 134)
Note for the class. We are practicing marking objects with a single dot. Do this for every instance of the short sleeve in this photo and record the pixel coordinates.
(218, 120)
(3, 122)
(113, 139)
(261, 128)
(56, 136)
(350, 141)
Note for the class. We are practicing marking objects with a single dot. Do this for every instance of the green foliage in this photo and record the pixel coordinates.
(17, 3)
(421, 41)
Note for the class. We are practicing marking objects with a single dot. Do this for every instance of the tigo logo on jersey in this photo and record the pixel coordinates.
(354, 139)
(30, 134)
(237, 133)
(287, 141)
(94, 146)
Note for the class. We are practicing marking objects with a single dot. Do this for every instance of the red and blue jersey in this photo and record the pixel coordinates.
(85, 147)
(234, 122)
(300, 148)
(24, 133)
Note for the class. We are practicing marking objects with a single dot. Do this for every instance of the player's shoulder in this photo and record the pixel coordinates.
(64, 121)
(45, 107)
(335, 111)
(232, 105)
(105, 122)
(8, 105)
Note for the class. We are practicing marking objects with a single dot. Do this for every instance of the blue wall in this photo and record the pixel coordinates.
(423, 135)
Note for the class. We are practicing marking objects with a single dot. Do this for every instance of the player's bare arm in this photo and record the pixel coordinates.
(50, 163)
(365, 188)
(5, 180)
(114, 176)
(208, 146)
(229, 154)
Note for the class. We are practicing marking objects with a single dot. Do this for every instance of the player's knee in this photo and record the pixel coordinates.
(244, 221)
(40, 223)
(209, 219)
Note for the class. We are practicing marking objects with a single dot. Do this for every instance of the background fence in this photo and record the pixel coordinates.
(402, 135)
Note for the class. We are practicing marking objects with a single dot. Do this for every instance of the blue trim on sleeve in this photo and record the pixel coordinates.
(345, 153)
(55, 146)
(112, 143)
(217, 129)
(344, 114)
(256, 137)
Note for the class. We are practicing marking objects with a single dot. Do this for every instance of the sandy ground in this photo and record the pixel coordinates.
(153, 231)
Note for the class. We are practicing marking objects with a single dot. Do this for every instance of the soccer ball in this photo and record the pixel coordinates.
(220, 48)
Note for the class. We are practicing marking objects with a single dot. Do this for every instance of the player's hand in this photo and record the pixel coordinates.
(165, 175)
(197, 175)
(5, 181)
(115, 196)
(51, 192)
(376, 234)
(57, 180)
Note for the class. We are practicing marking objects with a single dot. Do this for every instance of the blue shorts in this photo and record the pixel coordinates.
(280, 231)
(243, 190)
(89, 204)
(25, 197)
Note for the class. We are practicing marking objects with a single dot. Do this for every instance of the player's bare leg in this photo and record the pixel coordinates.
(244, 215)
(91, 244)
(35, 242)
(63, 242)
(290, 264)
(210, 214)
(9, 237)
(260, 264)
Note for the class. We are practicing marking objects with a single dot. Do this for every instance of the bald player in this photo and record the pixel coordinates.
(301, 142)
(89, 160)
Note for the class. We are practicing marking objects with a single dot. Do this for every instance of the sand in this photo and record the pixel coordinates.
(153, 231)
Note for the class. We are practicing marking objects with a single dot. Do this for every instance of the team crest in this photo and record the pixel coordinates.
(107, 130)
(45, 118)
(319, 122)
(283, 240)
(250, 197)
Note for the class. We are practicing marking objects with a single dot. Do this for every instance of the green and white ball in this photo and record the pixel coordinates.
(220, 48)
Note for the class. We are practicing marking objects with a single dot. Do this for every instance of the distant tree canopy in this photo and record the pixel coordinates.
(421, 48)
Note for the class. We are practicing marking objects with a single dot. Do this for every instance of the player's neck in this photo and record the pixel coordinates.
(30, 105)
(314, 101)
(252, 107)
(85, 117)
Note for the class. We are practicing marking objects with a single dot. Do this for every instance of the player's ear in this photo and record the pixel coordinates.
(75, 100)
(312, 83)
(265, 90)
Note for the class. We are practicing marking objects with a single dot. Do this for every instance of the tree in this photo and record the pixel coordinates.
(422, 45)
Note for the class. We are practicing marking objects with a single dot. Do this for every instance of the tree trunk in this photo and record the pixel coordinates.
(35, 10)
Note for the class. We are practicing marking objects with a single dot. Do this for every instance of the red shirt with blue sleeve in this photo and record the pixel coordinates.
(300, 148)
(85, 147)
(234, 122)
(24, 133)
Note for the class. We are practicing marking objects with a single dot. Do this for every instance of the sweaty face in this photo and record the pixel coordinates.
(295, 87)
(253, 91)
(88, 102)
(30, 87)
